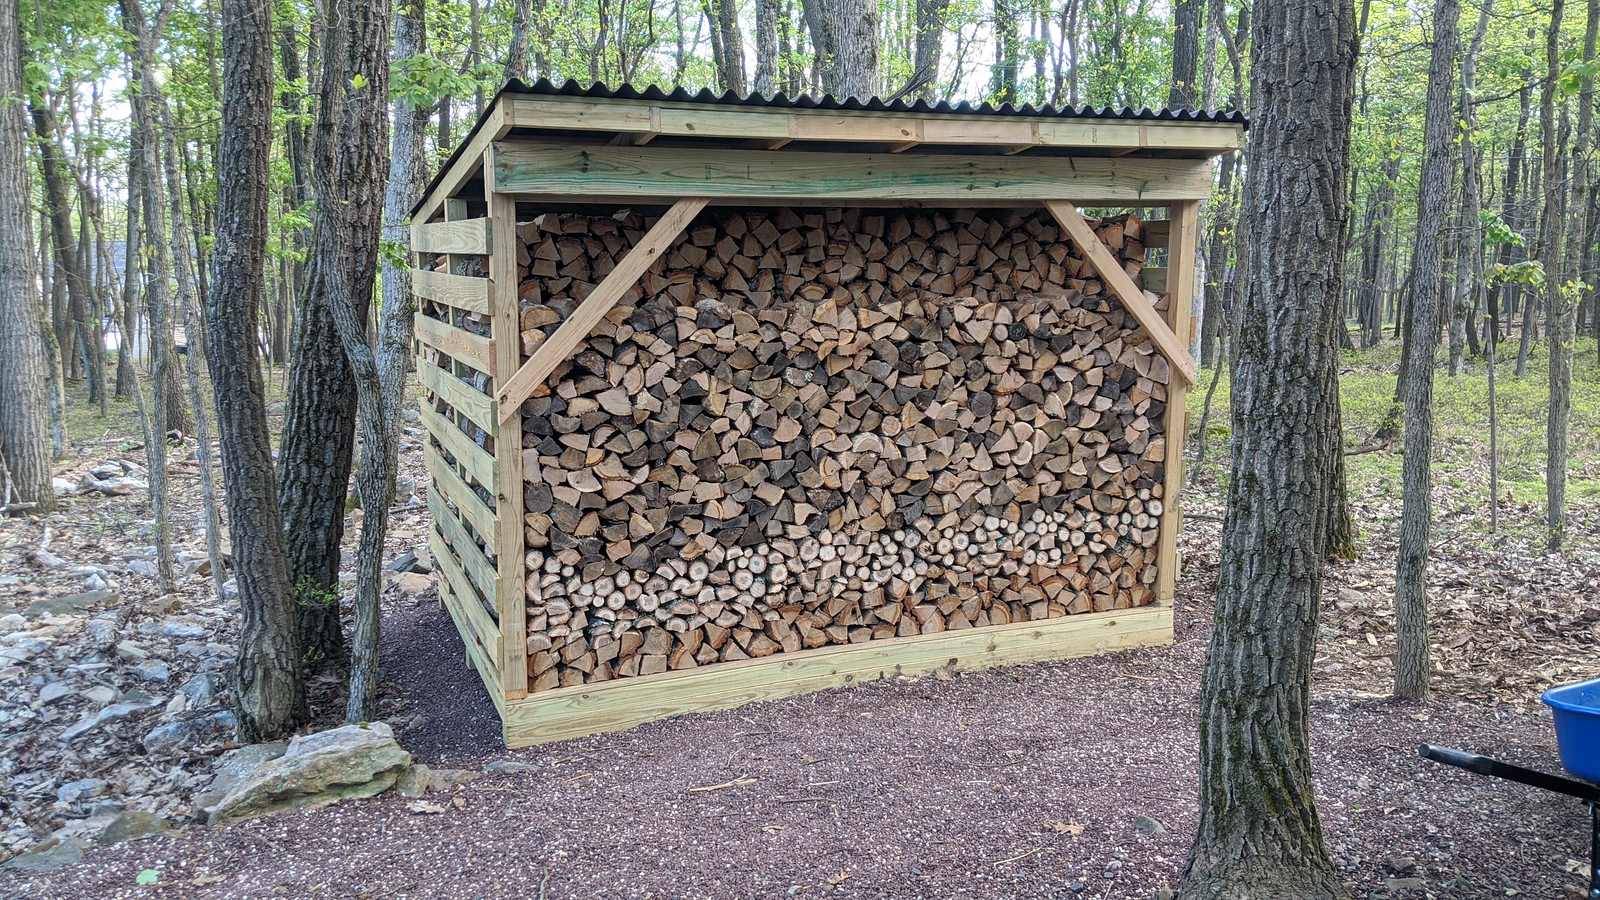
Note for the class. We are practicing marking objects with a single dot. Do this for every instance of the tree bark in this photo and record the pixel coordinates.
(70, 259)
(1259, 835)
(1469, 287)
(930, 36)
(1413, 663)
(845, 33)
(24, 429)
(347, 259)
(269, 694)
(1559, 305)
(765, 81)
(1186, 20)
(517, 53)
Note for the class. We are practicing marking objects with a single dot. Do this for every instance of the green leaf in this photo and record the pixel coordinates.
(148, 876)
(359, 82)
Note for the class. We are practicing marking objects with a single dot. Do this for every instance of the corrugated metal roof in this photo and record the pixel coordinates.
(546, 88)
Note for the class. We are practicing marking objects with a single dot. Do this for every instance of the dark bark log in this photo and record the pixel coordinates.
(24, 430)
(1259, 835)
(930, 36)
(517, 53)
(70, 261)
(845, 34)
(269, 695)
(765, 80)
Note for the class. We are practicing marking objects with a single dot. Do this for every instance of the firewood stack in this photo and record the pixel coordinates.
(815, 428)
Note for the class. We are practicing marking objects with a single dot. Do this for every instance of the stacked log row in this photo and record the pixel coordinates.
(815, 428)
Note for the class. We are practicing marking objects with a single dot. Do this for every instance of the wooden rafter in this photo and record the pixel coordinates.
(577, 326)
(1133, 299)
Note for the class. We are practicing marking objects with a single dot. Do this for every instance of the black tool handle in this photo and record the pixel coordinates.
(1483, 765)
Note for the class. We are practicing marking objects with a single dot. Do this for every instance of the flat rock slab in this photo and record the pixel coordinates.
(66, 606)
(318, 769)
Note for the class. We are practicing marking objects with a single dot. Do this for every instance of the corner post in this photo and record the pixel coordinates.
(1181, 246)
(505, 325)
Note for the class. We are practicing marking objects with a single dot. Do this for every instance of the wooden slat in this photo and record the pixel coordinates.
(459, 291)
(625, 702)
(1155, 279)
(621, 116)
(637, 174)
(483, 627)
(1133, 299)
(1181, 270)
(478, 567)
(477, 656)
(577, 326)
(466, 399)
(456, 491)
(476, 460)
(506, 324)
(471, 236)
(457, 343)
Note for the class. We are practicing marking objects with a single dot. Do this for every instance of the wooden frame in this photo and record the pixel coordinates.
(475, 393)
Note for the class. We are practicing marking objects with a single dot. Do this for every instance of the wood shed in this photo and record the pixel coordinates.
(730, 399)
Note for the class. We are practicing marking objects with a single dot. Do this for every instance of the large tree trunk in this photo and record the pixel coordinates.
(1185, 93)
(517, 53)
(316, 454)
(845, 33)
(1259, 835)
(71, 261)
(930, 37)
(1003, 84)
(1413, 662)
(347, 258)
(269, 695)
(24, 429)
(1470, 290)
(1561, 305)
(765, 81)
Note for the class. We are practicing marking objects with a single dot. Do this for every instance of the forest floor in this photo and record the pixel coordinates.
(1064, 780)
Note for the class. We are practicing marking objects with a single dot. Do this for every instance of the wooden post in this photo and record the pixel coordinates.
(1181, 283)
(505, 324)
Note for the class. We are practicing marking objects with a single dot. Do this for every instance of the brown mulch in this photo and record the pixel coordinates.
(1021, 782)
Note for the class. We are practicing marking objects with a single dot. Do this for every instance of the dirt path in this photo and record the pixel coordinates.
(1024, 782)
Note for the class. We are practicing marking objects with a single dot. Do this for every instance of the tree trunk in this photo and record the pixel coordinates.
(318, 443)
(1259, 835)
(930, 35)
(1470, 289)
(70, 259)
(1412, 663)
(1186, 16)
(517, 53)
(1559, 302)
(347, 259)
(845, 33)
(1003, 84)
(24, 430)
(765, 81)
(269, 694)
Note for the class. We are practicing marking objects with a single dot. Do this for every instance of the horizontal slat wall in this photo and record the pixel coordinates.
(456, 365)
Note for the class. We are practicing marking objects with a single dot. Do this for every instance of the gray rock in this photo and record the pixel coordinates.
(1148, 825)
(176, 628)
(132, 651)
(80, 790)
(191, 731)
(153, 670)
(66, 606)
(232, 768)
(201, 689)
(113, 713)
(55, 690)
(133, 825)
(103, 634)
(414, 782)
(506, 767)
(11, 623)
(318, 769)
(440, 780)
(49, 856)
(143, 567)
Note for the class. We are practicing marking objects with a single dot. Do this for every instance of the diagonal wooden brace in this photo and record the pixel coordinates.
(1133, 299)
(553, 352)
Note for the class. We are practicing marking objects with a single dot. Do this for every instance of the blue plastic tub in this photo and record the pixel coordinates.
(1576, 708)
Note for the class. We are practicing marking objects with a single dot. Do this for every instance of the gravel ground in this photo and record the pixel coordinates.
(1071, 780)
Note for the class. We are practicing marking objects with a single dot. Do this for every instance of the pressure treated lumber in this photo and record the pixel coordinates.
(467, 236)
(596, 305)
(505, 326)
(639, 174)
(1185, 225)
(646, 120)
(459, 291)
(1131, 295)
(617, 705)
